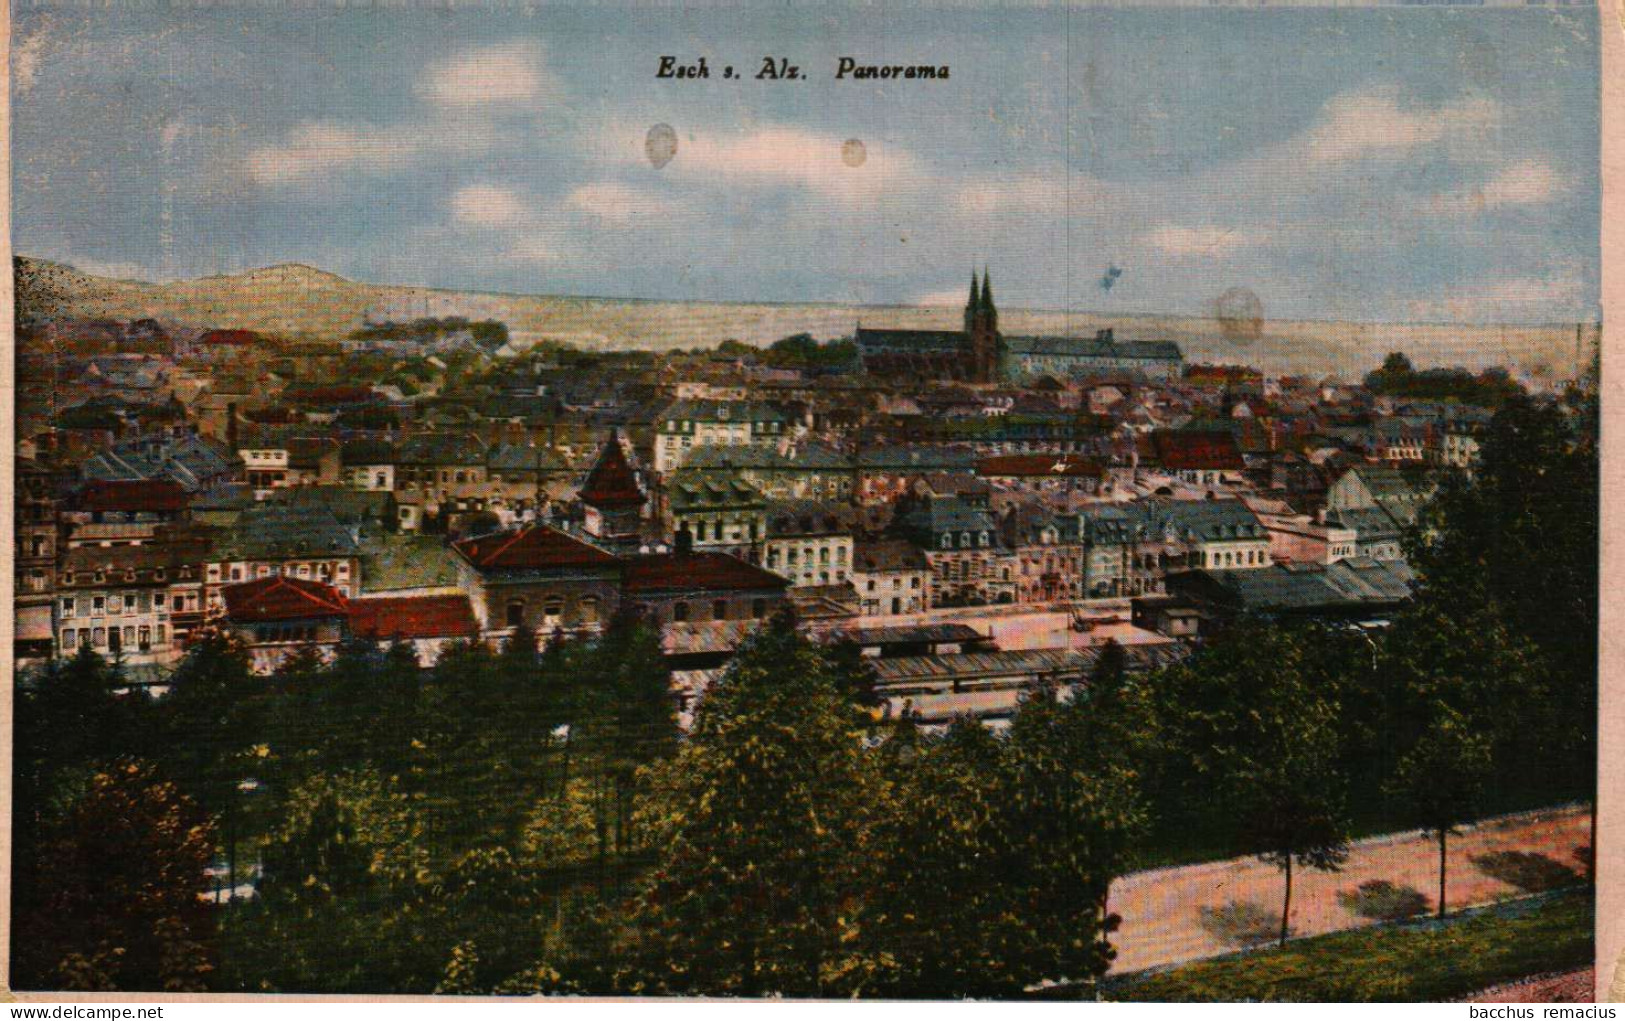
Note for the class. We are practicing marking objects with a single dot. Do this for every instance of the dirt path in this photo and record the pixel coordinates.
(1161, 909)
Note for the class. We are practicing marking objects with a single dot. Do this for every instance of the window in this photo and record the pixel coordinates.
(98, 604)
(679, 612)
(516, 614)
(823, 555)
(552, 609)
(98, 638)
(67, 607)
(236, 573)
(719, 610)
(159, 600)
(758, 608)
(67, 638)
(947, 541)
(158, 632)
(145, 638)
(871, 585)
(964, 540)
(588, 606)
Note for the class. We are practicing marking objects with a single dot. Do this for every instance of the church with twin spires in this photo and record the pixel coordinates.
(979, 353)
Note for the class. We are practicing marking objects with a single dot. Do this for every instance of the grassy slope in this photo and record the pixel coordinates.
(1419, 961)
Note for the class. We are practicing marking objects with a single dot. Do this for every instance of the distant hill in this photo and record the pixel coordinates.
(301, 302)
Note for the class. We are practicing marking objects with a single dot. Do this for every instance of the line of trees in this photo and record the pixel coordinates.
(532, 821)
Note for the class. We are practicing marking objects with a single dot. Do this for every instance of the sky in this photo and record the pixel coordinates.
(1378, 164)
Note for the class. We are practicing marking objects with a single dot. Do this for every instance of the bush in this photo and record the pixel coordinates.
(1383, 901)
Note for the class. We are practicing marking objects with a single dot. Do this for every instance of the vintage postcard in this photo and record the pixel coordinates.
(907, 501)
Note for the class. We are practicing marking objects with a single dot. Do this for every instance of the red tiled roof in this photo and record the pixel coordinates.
(229, 337)
(532, 548)
(611, 480)
(1196, 450)
(133, 495)
(413, 617)
(1057, 465)
(282, 598)
(703, 572)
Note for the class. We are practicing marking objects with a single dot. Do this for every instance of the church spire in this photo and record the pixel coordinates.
(986, 304)
(971, 304)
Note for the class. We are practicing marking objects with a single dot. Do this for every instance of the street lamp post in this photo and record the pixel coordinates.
(244, 787)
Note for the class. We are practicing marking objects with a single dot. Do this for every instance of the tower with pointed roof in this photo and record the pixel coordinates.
(982, 324)
(611, 495)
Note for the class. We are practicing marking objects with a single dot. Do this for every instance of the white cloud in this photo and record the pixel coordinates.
(319, 148)
(504, 74)
(784, 156)
(1177, 241)
(489, 205)
(1042, 195)
(26, 57)
(1530, 182)
(615, 203)
(1376, 123)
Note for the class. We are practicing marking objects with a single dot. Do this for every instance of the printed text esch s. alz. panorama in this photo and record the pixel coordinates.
(783, 69)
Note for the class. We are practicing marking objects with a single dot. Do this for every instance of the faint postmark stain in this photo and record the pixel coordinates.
(854, 153)
(660, 145)
(1240, 314)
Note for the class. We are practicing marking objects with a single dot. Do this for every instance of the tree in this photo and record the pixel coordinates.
(760, 885)
(1246, 721)
(943, 922)
(1075, 809)
(1441, 779)
(122, 907)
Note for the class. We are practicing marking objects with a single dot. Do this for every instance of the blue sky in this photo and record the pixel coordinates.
(1376, 164)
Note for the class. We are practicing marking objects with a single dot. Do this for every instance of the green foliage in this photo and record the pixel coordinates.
(758, 889)
(1254, 730)
(1398, 378)
(112, 896)
(801, 351)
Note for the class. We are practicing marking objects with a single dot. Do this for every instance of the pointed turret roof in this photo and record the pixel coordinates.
(612, 482)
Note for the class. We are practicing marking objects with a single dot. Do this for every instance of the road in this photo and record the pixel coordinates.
(1161, 909)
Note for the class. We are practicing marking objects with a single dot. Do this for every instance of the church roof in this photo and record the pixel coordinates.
(612, 482)
(913, 340)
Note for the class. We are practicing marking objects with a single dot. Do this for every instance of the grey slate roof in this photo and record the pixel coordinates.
(187, 459)
(1094, 347)
(271, 531)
